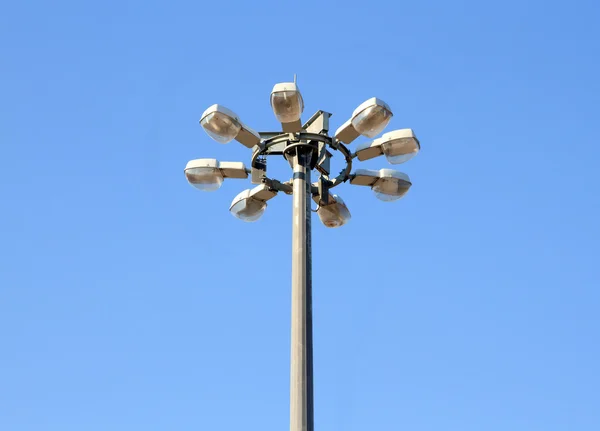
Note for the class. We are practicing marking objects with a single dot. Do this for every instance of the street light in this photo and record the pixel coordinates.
(334, 213)
(208, 174)
(308, 148)
(251, 204)
(223, 125)
(398, 147)
(388, 185)
(287, 105)
(369, 119)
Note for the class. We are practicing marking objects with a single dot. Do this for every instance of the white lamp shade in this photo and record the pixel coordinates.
(208, 174)
(388, 189)
(221, 124)
(387, 184)
(248, 209)
(400, 146)
(251, 204)
(335, 214)
(287, 102)
(204, 174)
(205, 179)
(371, 117)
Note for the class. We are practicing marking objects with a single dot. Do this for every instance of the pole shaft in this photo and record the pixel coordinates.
(301, 370)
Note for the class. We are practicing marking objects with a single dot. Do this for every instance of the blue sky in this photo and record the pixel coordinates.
(129, 300)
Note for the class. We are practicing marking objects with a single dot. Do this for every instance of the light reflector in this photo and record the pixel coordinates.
(335, 213)
(248, 209)
(221, 124)
(398, 147)
(251, 204)
(371, 117)
(287, 102)
(208, 174)
(387, 184)
(204, 174)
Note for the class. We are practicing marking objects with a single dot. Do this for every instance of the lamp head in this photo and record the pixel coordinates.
(387, 184)
(335, 213)
(204, 174)
(398, 146)
(208, 174)
(251, 204)
(287, 104)
(221, 124)
(369, 119)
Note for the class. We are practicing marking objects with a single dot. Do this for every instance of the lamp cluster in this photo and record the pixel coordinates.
(369, 119)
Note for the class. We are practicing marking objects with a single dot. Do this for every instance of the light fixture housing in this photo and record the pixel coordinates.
(398, 147)
(288, 105)
(369, 119)
(387, 184)
(251, 204)
(208, 174)
(223, 125)
(333, 214)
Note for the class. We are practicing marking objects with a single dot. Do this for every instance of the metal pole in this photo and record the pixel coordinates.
(301, 371)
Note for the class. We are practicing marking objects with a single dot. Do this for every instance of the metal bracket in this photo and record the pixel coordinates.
(323, 188)
(282, 143)
(259, 170)
(269, 135)
(323, 163)
(311, 145)
(279, 186)
(318, 123)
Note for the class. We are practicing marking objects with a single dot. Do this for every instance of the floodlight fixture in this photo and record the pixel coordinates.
(335, 213)
(398, 147)
(208, 174)
(369, 119)
(288, 106)
(251, 204)
(387, 184)
(223, 125)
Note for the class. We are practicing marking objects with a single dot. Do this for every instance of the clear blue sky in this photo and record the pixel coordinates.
(131, 301)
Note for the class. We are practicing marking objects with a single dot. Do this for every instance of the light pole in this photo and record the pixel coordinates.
(307, 147)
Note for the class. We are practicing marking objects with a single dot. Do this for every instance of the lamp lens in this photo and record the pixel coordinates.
(204, 178)
(371, 121)
(400, 150)
(287, 105)
(390, 189)
(335, 214)
(221, 127)
(249, 209)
